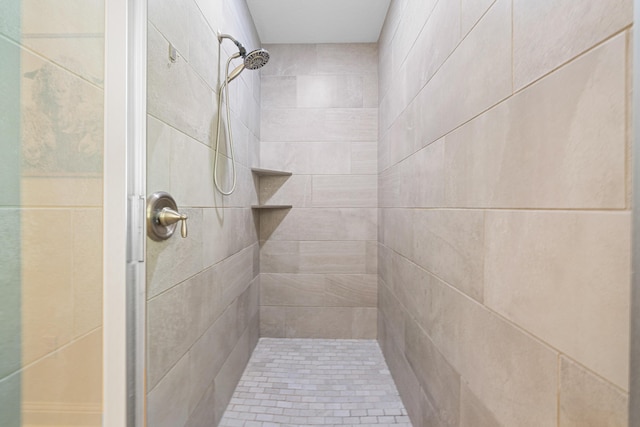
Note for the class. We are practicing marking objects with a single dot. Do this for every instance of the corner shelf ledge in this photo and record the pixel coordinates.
(271, 207)
(270, 172)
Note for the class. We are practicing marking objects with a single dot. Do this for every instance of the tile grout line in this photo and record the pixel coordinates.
(316, 382)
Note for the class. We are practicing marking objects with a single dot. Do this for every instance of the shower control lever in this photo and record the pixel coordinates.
(169, 216)
(163, 217)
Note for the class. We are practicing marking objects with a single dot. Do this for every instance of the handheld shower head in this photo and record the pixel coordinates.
(256, 59)
(253, 60)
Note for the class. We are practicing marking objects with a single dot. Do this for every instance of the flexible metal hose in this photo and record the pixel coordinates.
(225, 86)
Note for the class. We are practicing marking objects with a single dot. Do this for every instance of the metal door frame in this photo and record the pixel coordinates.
(634, 368)
(124, 226)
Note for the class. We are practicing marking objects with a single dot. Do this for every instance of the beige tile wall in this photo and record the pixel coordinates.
(51, 93)
(202, 311)
(318, 260)
(504, 234)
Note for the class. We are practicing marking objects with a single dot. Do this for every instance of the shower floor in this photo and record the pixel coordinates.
(313, 382)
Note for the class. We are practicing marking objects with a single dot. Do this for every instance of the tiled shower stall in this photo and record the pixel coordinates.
(460, 199)
(318, 260)
(460, 192)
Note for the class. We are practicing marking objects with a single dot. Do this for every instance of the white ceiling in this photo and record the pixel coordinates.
(318, 21)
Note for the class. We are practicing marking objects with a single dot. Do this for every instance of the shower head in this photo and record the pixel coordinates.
(256, 59)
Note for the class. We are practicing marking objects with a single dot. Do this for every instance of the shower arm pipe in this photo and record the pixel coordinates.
(241, 48)
(225, 87)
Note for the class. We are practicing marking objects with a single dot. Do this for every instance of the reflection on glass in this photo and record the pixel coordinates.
(51, 122)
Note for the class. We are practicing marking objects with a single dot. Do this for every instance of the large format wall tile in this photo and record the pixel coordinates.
(454, 96)
(46, 257)
(330, 322)
(236, 274)
(364, 157)
(318, 322)
(472, 11)
(397, 229)
(345, 58)
(70, 34)
(292, 289)
(350, 224)
(406, 381)
(317, 158)
(292, 190)
(394, 317)
(357, 257)
(447, 243)
(558, 144)
(203, 291)
(204, 411)
(61, 125)
(168, 403)
(352, 290)
(10, 398)
(450, 244)
(87, 270)
(191, 172)
(438, 379)
(320, 122)
(226, 232)
(318, 290)
(345, 191)
(10, 312)
(171, 261)
(212, 12)
(171, 17)
(272, 321)
(412, 286)
(176, 94)
(313, 124)
(548, 33)
(159, 137)
(488, 316)
(229, 376)
(330, 91)
(52, 183)
(279, 91)
(586, 400)
(171, 329)
(416, 181)
(69, 378)
(439, 37)
(203, 53)
(414, 16)
(473, 413)
(53, 192)
(209, 353)
(564, 277)
(291, 60)
(497, 360)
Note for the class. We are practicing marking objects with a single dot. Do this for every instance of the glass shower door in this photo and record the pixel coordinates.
(51, 180)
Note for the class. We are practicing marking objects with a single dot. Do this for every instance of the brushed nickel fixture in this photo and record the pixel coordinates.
(163, 217)
(253, 60)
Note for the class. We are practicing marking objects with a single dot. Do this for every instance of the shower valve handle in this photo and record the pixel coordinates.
(168, 216)
(163, 216)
